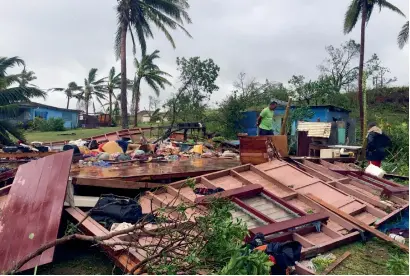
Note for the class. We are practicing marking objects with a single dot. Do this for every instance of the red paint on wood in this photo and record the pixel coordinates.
(288, 224)
(32, 214)
(242, 192)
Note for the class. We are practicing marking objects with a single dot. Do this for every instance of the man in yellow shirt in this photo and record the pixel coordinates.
(265, 119)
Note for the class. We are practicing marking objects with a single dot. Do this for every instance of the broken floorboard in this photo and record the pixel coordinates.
(156, 171)
(31, 215)
(114, 183)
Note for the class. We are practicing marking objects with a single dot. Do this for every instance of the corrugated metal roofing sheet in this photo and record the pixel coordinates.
(315, 129)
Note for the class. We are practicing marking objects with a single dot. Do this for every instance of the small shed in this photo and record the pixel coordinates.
(29, 111)
(322, 113)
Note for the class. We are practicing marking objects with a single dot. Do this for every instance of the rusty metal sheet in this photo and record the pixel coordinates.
(136, 171)
(31, 215)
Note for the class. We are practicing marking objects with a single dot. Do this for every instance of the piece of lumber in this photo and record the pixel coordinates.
(32, 214)
(336, 263)
(288, 224)
(114, 183)
(285, 118)
(241, 192)
(83, 201)
(357, 222)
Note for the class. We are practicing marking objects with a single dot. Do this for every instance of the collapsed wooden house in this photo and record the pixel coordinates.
(272, 198)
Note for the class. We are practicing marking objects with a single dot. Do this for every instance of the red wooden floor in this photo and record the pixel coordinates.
(31, 216)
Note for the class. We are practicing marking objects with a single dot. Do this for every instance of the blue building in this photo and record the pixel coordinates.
(322, 113)
(29, 111)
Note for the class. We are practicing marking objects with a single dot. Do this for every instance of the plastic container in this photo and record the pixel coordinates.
(398, 238)
(375, 171)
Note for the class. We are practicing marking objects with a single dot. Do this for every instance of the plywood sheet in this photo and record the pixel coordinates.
(32, 214)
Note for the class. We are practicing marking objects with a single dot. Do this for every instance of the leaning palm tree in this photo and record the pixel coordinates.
(69, 91)
(403, 35)
(11, 94)
(365, 9)
(137, 16)
(153, 76)
(92, 88)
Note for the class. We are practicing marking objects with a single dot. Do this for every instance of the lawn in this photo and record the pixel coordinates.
(72, 134)
(376, 257)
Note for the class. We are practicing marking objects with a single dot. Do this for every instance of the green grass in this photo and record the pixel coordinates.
(374, 257)
(72, 134)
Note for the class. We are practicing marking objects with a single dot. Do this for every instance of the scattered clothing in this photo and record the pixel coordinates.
(123, 144)
(116, 209)
(376, 163)
(112, 147)
(283, 255)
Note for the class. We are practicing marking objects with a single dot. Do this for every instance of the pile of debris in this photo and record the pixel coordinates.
(293, 211)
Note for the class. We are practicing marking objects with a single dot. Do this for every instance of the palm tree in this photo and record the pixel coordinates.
(403, 35)
(153, 76)
(26, 77)
(11, 95)
(365, 9)
(69, 91)
(113, 82)
(92, 87)
(138, 16)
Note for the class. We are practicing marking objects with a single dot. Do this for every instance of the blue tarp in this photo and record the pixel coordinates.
(400, 221)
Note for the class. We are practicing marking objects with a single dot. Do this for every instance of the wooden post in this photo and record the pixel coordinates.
(362, 225)
(285, 118)
(336, 263)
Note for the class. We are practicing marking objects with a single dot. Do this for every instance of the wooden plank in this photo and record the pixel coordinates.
(83, 201)
(114, 183)
(32, 214)
(358, 223)
(242, 192)
(252, 210)
(286, 225)
(304, 242)
(336, 263)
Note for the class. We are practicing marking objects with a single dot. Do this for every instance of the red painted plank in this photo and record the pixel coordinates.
(242, 192)
(32, 214)
(288, 224)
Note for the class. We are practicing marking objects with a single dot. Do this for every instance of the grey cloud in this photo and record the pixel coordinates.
(61, 40)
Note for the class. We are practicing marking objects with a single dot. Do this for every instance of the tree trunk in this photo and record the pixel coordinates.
(124, 112)
(68, 102)
(110, 102)
(360, 92)
(137, 100)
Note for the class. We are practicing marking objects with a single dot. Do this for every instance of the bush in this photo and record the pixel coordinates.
(52, 124)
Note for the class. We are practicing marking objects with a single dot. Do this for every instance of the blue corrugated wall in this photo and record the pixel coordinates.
(248, 121)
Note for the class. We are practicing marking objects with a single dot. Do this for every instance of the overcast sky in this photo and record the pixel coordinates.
(61, 40)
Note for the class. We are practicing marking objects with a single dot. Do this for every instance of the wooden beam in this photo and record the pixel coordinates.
(336, 263)
(361, 196)
(114, 183)
(241, 192)
(285, 117)
(252, 210)
(288, 224)
(358, 223)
